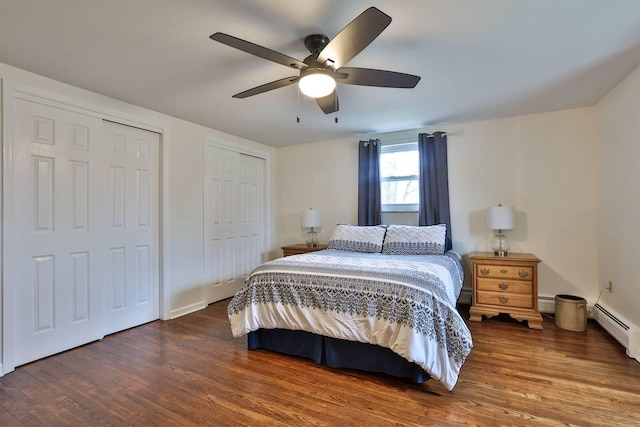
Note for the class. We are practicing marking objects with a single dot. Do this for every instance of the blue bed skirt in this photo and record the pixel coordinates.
(336, 353)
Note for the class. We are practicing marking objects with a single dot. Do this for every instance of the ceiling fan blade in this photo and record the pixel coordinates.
(329, 104)
(267, 87)
(354, 38)
(380, 78)
(258, 50)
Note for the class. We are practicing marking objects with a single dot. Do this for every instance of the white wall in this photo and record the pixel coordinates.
(322, 176)
(184, 158)
(542, 164)
(618, 143)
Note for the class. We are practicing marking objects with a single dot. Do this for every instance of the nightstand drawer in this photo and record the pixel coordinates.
(505, 286)
(507, 300)
(504, 271)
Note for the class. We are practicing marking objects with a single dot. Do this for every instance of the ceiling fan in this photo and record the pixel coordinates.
(320, 71)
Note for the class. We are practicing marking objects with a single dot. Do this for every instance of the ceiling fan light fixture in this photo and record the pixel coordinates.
(316, 84)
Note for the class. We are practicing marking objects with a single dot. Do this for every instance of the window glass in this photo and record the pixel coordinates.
(399, 163)
(399, 177)
(400, 192)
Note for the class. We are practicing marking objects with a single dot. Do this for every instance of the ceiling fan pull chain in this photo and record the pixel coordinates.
(336, 104)
(298, 108)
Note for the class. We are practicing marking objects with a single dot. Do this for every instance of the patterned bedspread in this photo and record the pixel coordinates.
(403, 302)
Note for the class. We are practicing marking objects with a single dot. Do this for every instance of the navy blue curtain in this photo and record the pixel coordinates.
(434, 182)
(369, 205)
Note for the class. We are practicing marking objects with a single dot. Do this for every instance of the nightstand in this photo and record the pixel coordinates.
(505, 284)
(301, 248)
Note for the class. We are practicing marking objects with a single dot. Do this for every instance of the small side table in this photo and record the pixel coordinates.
(505, 284)
(301, 248)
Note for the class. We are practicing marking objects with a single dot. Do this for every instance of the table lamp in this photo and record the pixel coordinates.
(500, 218)
(310, 221)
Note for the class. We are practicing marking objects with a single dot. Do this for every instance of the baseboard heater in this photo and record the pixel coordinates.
(624, 332)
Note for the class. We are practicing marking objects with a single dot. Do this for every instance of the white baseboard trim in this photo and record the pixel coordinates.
(546, 304)
(187, 309)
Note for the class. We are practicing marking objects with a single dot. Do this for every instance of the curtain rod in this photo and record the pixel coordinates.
(456, 132)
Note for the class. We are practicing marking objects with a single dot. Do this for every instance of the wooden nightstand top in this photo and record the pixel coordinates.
(301, 248)
(513, 256)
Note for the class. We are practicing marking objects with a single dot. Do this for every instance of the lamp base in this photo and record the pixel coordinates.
(312, 240)
(500, 244)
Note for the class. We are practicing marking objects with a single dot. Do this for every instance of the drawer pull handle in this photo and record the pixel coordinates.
(484, 271)
(503, 270)
(503, 286)
(523, 274)
(503, 300)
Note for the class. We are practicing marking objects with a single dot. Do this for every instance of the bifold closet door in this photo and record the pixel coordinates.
(234, 219)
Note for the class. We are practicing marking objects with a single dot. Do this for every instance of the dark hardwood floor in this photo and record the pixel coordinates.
(190, 371)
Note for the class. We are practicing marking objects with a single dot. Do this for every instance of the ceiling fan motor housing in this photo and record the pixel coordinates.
(316, 42)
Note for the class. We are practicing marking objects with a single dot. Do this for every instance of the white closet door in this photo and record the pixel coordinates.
(234, 219)
(131, 205)
(250, 179)
(57, 191)
(84, 231)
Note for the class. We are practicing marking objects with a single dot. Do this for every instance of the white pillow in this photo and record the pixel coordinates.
(357, 238)
(411, 240)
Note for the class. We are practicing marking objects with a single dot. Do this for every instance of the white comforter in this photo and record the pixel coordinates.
(403, 302)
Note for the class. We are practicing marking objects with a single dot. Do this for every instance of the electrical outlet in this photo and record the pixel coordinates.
(610, 287)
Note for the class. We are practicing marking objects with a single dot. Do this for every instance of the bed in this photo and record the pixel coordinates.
(379, 299)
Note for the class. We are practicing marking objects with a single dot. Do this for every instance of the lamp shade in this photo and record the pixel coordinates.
(311, 218)
(501, 217)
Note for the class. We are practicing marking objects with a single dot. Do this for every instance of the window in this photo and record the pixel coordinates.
(399, 177)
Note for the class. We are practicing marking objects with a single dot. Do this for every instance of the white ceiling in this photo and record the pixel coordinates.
(478, 59)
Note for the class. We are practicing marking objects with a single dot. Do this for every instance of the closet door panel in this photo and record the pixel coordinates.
(58, 272)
